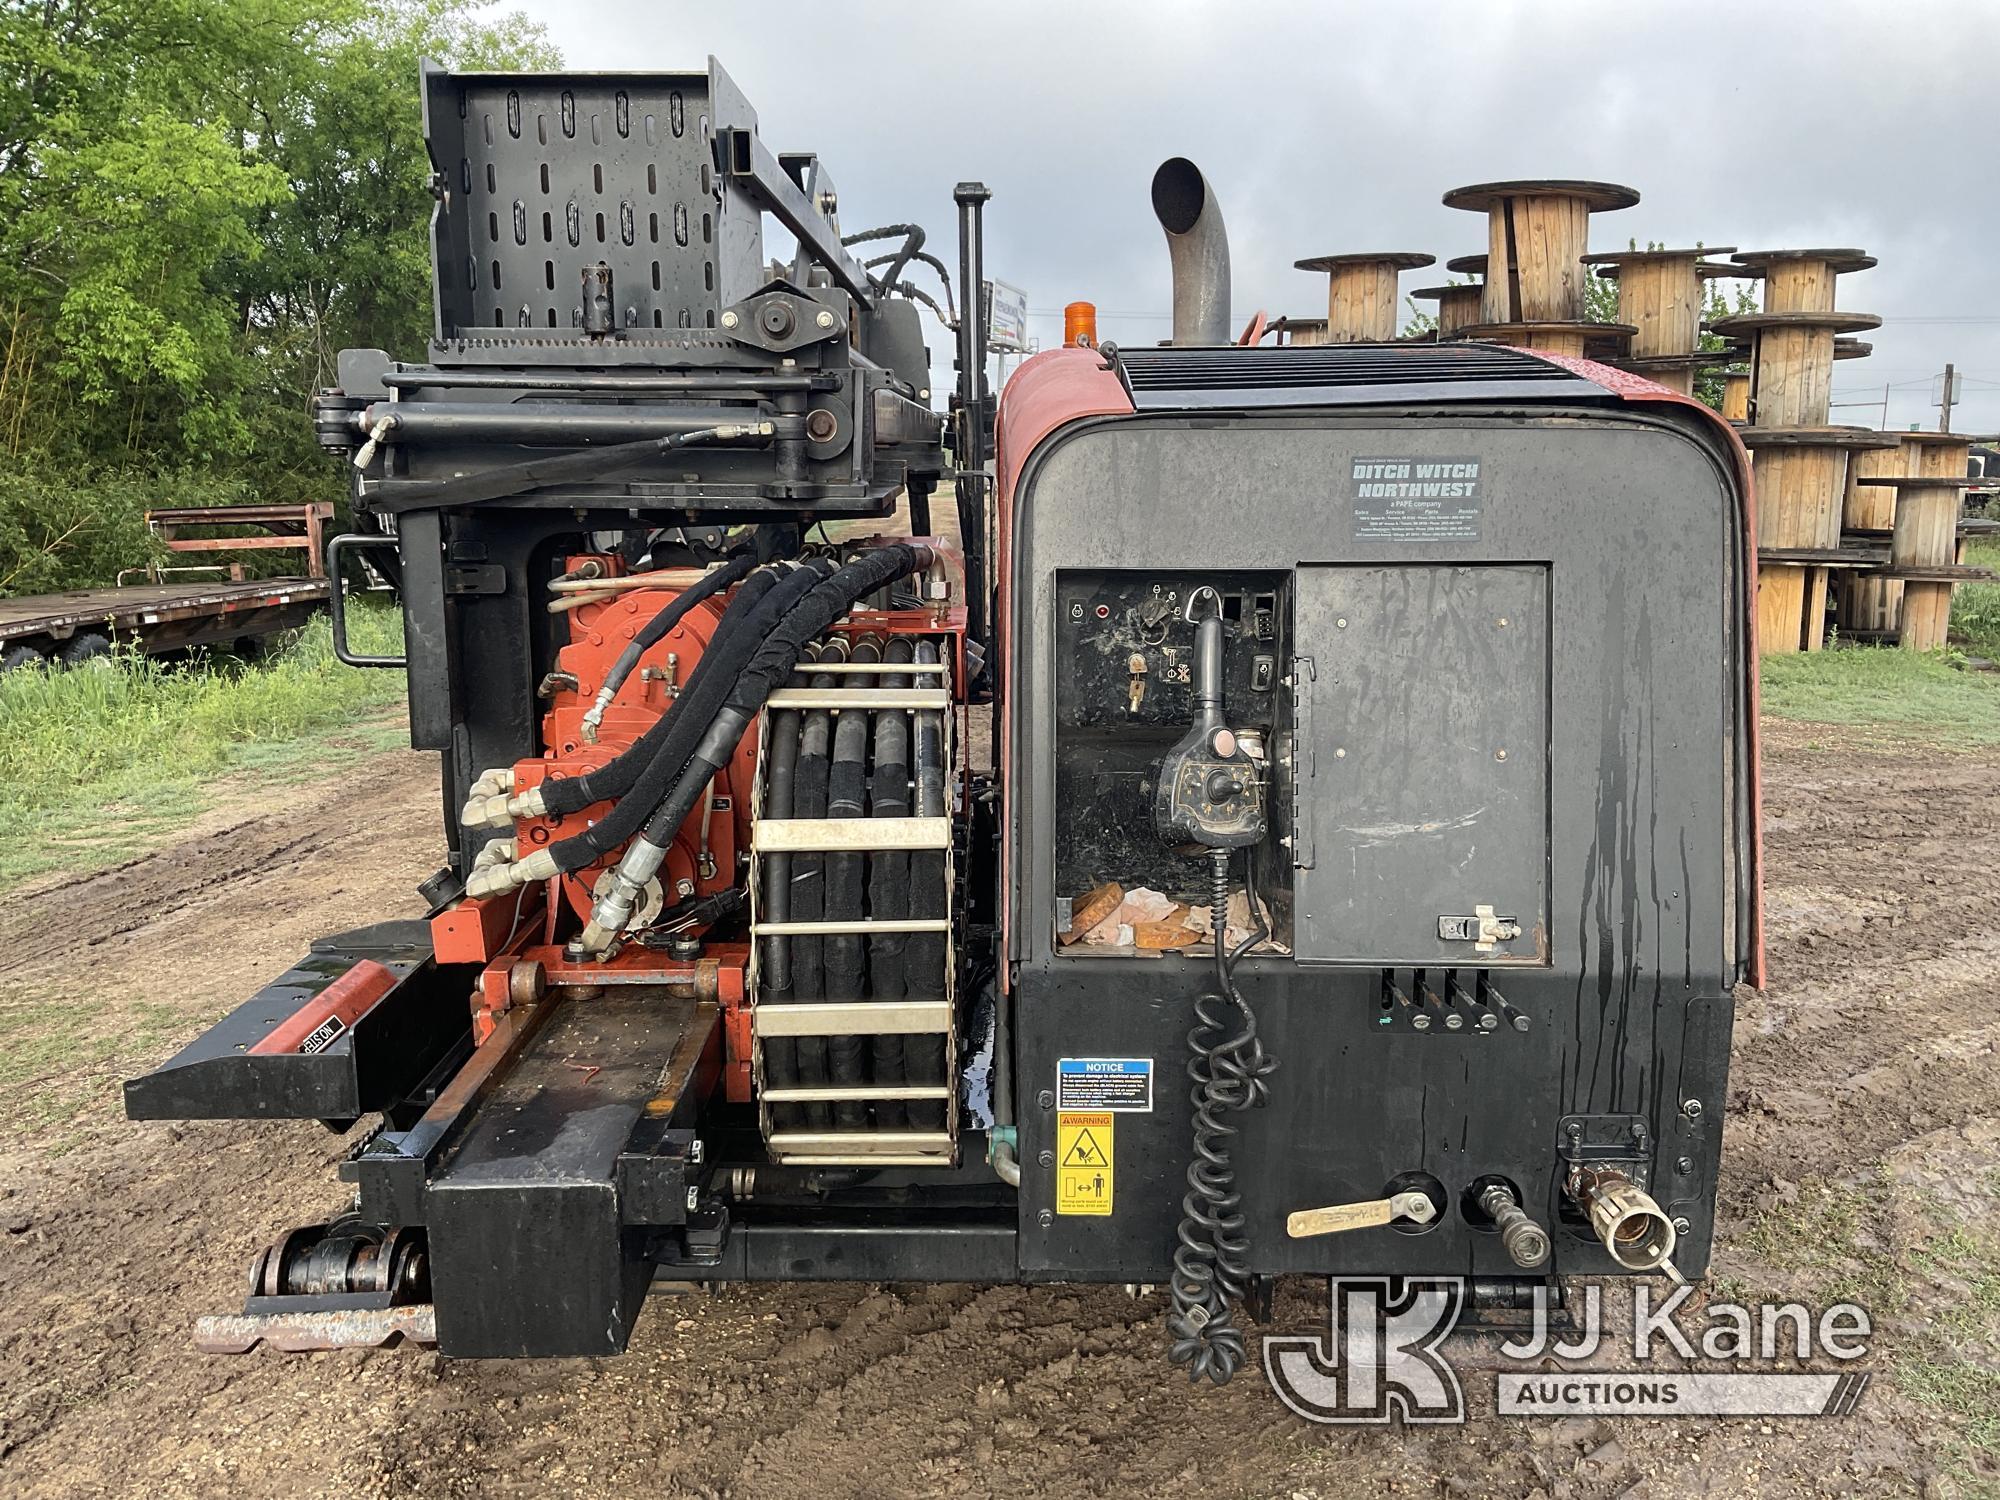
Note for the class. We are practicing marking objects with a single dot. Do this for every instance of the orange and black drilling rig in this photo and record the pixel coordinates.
(1299, 816)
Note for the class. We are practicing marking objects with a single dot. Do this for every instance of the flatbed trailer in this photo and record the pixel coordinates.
(154, 617)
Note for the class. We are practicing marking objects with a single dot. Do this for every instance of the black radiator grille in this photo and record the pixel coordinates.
(1343, 375)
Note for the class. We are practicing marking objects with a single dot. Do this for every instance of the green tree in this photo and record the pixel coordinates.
(201, 202)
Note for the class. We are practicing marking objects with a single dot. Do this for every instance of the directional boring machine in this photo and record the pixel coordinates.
(1294, 814)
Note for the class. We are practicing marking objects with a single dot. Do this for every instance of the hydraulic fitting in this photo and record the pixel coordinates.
(1525, 1241)
(497, 879)
(594, 716)
(1625, 1218)
(621, 896)
(498, 810)
(495, 852)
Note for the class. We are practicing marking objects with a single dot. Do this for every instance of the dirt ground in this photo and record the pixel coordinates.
(1862, 1143)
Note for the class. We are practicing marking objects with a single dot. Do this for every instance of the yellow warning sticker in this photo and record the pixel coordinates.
(1083, 1161)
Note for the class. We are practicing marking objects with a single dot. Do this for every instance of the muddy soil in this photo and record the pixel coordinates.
(1871, 1055)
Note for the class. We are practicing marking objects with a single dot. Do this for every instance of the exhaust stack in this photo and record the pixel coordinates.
(1186, 207)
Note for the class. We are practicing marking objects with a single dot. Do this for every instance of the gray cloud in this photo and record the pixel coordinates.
(1330, 128)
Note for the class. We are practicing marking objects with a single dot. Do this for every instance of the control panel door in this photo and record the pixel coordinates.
(1422, 775)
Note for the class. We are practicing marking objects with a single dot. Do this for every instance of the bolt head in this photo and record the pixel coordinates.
(1681, 1224)
(730, 320)
(1046, 1099)
(1045, 1218)
(1691, 1108)
(1047, 1159)
(825, 319)
(1685, 1165)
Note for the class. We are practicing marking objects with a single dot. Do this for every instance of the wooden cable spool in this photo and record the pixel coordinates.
(1660, 296)
(1800, 280)
(1801, 480)
(1791, 356)
(1736, 396)
(1537, 235)
(1362, 299)
(1458, 306)
(1928, 500)
(1871, 604)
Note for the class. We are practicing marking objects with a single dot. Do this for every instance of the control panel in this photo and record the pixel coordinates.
(1125, 670)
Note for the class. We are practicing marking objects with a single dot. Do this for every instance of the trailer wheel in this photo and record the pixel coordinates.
(87, 647)
(21, 654)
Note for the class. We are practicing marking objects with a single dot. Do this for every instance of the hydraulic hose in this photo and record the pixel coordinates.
(694, 708)
(1228, 1069)
(809, 881)
(924, 957)
(889, 884)
(846, 891)
(772, 664)
(781, 1053)
(655, 630)
(764, 596)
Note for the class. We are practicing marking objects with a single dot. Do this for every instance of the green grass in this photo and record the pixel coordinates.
(1881, 685)
(96, 760)
(1941, 1293)
(1975, 607)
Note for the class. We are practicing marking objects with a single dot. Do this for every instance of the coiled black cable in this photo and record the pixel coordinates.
(1227, 1068)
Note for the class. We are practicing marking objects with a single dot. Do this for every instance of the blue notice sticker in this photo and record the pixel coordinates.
(1104, 1083)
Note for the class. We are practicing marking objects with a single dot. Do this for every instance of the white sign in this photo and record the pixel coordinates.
(1006, 317)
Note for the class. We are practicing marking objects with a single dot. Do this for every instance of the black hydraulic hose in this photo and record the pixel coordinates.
(758, 605)
(781, 1053)
(614, 778)
(913, 241)
(949, 312)
(655, 630)
(692, 726)
(924, 958)
(846, 892)
(772, 664)
(808, 893)
(564, 468)
(889, 883)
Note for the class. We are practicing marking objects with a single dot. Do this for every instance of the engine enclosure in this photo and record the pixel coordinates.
(1531, 695)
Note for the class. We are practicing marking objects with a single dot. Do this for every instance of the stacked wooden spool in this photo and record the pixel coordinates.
(1458, 304)
(1537, 235)
(1660, 295)
(1736, 396)
(1362, 296)
(1870, 607)
(1300, 332)
(1801, 460)
(1928, 486)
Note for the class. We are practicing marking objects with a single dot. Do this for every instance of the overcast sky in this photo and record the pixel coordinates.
(1336, 127)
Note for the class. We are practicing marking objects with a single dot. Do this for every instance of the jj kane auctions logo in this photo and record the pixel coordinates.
(1383, 1358)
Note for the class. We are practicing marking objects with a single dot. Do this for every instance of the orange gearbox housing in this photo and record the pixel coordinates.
(703, 857)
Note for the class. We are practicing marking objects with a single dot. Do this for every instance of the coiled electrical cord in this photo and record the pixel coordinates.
(1227, 1072)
